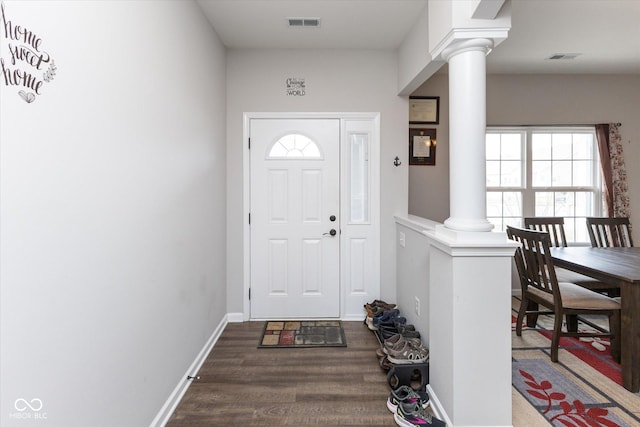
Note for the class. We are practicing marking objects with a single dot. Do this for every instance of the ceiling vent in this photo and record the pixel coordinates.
(563, 56)
(304, 22)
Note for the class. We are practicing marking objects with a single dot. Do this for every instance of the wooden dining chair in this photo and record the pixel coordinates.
(554, 225)
(609, 232)
(539, 284)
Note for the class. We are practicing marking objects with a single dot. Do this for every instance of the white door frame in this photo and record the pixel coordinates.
(352, 296)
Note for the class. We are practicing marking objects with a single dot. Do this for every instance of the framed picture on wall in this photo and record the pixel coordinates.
(422, 146)
(424, 110)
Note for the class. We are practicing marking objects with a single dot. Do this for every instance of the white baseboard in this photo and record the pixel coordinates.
(353, 317)
(437, 408)
(235, 317)
(181, 388)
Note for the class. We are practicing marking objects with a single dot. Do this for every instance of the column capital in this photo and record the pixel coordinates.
(467, 45)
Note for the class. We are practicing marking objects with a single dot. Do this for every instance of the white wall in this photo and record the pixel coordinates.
(112, 211)
(535, 100)
(336, 81)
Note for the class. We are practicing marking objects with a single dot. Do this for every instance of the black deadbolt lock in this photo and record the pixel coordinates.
(332, 218)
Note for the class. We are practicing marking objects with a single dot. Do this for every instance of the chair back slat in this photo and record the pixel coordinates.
(533, 261)
(609, 232)
(554, 225)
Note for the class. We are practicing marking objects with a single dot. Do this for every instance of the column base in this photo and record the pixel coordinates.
(468, 224)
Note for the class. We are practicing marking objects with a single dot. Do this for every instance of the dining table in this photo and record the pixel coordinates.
(619, 267)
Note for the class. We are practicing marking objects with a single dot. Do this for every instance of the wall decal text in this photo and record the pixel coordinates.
(28, 66)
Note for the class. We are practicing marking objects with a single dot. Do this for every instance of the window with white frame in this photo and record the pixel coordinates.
(536, 171)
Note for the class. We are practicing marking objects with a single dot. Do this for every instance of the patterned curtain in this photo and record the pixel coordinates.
(614, 172)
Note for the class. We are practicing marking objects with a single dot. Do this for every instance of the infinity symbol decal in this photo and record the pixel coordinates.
(22, 405)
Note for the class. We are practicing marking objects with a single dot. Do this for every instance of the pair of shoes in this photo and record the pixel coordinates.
(378, 306)
(407, 331)
(411, 414)
(407, 352)
(376, 310)
(387, 331)
(389, 318)
(397, 342)
(406, 394)
(384, 318)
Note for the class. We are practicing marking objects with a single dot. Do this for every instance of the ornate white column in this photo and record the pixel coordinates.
(467, 123)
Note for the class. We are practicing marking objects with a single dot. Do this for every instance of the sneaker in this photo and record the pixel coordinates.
(389, 318)
(405, 394)
(406, 330)
(411, 415)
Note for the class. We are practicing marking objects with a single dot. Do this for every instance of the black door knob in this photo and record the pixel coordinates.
(332, 232)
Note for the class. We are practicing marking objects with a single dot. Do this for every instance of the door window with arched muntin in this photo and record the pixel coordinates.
(294, 146)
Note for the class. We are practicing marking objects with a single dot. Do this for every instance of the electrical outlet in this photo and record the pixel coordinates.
(402, 239)
(417, 306)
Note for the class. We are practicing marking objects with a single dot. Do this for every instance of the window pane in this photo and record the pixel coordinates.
(294, 146)
(511, 146)
(493, 173)
(541, 174)
(544, 204)
(512, 204)
(511, 175)
(494, 203)
(581, 233)
(561, 146)
(584, 204)
(493, 146)
(561, 173)
(564, 204)
(541, 146)
(582, 146)
(359, 182)
(582, 176)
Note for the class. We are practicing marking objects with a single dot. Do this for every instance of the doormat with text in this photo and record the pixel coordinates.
(302, 333)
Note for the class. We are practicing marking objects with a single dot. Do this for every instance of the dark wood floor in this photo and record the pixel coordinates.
(242, 385)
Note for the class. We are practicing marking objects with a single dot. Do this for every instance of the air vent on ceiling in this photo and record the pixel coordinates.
(563, 56)
(304, 22)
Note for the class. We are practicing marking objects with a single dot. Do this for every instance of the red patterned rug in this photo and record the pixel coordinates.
(583, 389)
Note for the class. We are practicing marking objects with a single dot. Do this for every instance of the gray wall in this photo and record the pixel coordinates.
(535, 100)
(112, 213)
(336, 81)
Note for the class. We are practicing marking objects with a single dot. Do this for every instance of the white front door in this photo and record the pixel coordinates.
(295, 218)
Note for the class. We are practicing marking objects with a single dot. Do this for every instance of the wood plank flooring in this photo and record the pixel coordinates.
(241, 385)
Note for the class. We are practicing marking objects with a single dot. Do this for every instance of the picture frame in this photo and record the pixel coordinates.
(422, 146)
(424, 110)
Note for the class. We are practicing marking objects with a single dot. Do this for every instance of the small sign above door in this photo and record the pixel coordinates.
(295, 86)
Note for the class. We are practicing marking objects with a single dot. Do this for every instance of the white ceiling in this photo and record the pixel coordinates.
(606, 33)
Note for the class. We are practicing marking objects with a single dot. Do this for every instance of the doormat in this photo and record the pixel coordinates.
(302, 333)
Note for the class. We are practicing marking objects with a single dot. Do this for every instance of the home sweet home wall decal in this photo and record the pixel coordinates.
(28, 67)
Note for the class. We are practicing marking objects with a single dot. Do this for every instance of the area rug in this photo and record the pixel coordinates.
(582, 389)
(565, 400)
(595, 351)
(302, 333)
